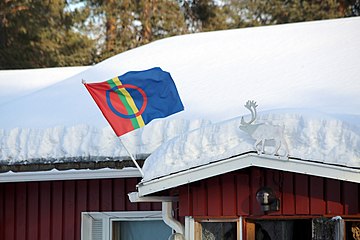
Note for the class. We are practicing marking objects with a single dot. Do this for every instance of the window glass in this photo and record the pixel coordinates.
(297, 229)
(141, 230)
(219, 230)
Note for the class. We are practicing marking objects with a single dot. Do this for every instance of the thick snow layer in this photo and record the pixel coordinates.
(83, 142)
(309, 135)
(313, 66)
(17, 83)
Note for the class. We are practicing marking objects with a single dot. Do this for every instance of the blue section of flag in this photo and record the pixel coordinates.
(159, 87)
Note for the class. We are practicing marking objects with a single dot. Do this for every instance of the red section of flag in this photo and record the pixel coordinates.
(98, 93)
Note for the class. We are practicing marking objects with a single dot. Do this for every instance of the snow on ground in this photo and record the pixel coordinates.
(311, 67)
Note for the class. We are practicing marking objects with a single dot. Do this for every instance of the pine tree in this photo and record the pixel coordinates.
(36, 33)
(159, 19)
(352, 7)
(130, 23)
(205, 15)
(40, 34)
(258, 12)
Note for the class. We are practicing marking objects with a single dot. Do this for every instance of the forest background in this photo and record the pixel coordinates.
(57, 33)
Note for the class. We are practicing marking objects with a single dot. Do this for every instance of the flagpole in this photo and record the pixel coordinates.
(127, 150)
(132, 157)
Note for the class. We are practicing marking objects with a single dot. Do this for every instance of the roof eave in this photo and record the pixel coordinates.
(244, 161)
(54, 175)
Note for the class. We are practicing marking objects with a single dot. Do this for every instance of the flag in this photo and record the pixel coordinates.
(132, 100)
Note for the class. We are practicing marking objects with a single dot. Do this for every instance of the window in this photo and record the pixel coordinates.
(139, 225)
(320, 228)
(218, 230)
(279, 229)
(212, 229)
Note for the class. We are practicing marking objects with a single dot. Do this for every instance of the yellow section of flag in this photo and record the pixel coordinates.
(130, 101)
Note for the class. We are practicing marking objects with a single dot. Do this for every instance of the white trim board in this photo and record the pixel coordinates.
(244, 161)
(72, 174)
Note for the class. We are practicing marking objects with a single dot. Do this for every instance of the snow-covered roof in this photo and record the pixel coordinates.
(17, 83)
(312, 68)
(308, 135)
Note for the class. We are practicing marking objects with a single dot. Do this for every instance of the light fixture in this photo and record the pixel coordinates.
(267, 199)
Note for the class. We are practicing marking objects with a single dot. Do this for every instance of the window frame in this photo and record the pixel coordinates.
(107, 218)
(193, 226)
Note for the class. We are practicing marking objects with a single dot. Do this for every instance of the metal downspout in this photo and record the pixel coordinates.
(169, 220)
(166, 211)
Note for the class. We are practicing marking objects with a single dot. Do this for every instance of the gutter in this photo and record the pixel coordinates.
(72, 174)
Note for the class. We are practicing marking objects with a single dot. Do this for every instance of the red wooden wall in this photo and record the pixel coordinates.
(52, 210)
(233, 194)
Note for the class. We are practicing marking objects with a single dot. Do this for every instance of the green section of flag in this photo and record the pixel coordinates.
(125, 102)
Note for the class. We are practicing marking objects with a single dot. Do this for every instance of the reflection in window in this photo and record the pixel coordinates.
(219, 230)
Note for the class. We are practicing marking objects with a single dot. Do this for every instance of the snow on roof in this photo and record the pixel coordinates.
(309, 135)
(310, 67)
(17, 83)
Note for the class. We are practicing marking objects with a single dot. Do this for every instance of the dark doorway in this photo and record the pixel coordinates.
(299, 229)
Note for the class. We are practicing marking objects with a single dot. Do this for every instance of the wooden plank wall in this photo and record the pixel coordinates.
(233, 195)
(52, 210)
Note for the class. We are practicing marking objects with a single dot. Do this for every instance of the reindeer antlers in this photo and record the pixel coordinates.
(251, 105)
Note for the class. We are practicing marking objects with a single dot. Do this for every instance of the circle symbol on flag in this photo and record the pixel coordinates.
(117, 91)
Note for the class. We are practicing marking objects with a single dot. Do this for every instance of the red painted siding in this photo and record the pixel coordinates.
(233, 194)
(229, 195)
(32, 211)
(21, 193)
(81, 203)
(302, 198)
(118, 194)
(351, 203)
(44, 210)
(69, 210)
(288, 198)
(333, 197)
(317, 199)
(185, 198)
(242, 194)
(214, 190)
(256, 181)
(200, 199)
(52, 210)
(130, 186)
(9, 210)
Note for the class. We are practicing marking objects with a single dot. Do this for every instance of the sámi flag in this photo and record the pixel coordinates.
(132, 100)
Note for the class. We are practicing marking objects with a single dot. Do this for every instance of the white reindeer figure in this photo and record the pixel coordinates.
(263, 132)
